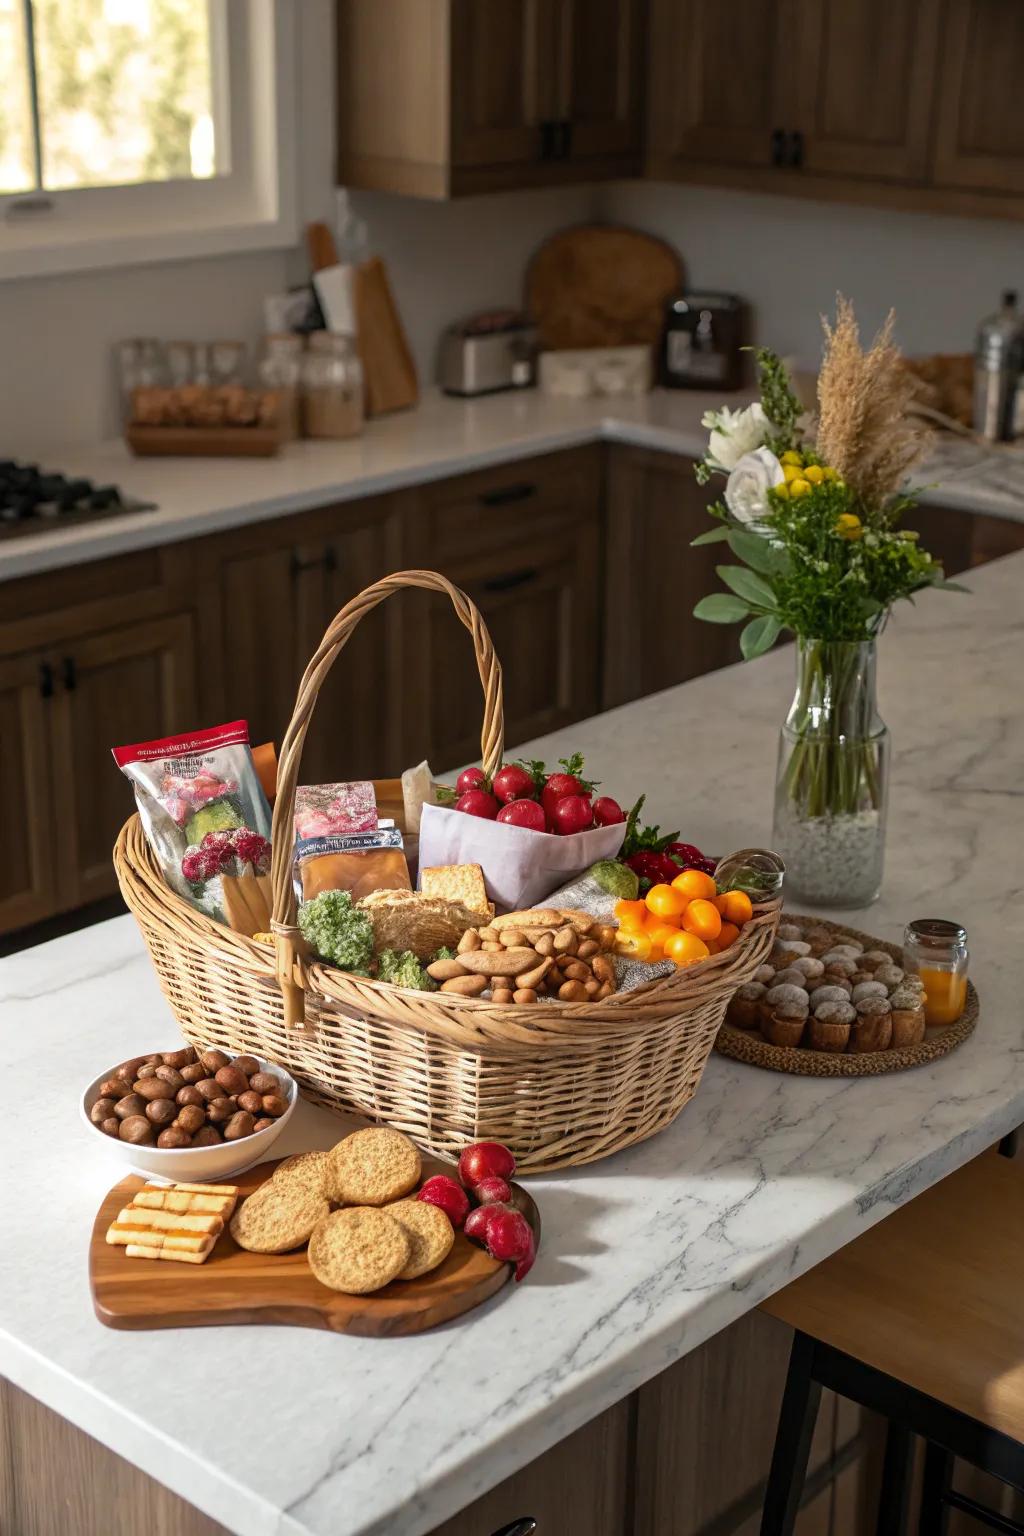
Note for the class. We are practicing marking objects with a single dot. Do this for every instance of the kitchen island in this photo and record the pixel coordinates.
(645, 1255)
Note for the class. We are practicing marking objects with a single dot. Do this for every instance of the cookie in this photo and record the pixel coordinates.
(308, 1170)
(374, 1167)
(430, 1235)
(277, 1217)
(359, 1250)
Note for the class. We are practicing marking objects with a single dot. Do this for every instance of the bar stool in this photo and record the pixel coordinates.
(921, 1320)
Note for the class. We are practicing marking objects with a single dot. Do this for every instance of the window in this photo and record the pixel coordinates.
(134, 130)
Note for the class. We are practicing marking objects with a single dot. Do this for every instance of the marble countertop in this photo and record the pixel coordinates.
(284, 1432)
(441, 437)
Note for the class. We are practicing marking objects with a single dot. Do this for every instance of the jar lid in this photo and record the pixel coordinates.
(936, 932)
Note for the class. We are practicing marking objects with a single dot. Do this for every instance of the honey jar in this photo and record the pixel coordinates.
(936, 951)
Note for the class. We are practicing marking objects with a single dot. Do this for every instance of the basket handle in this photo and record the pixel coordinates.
(288, 941)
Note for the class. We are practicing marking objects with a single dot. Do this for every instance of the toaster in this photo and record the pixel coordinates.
(488, 352)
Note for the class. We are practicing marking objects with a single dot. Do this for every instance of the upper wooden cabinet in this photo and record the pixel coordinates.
(442, 97)
(979, 139)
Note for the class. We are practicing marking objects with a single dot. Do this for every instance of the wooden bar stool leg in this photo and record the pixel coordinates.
(895, 1492)
(936, 1483)
(797, 1418)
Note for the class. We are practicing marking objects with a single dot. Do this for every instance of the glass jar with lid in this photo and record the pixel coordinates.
(936, 951)
(332, 387)
(280, 370)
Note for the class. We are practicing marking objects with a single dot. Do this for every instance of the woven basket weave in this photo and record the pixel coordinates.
(559, 1083)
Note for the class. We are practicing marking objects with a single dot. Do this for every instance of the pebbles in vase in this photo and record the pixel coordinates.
(834, 860)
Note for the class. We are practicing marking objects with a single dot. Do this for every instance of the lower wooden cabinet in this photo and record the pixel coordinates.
(28, 876)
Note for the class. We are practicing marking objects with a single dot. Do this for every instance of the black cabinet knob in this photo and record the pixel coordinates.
(778, 147)
(564, 139)
(525, 1526)
(45, 680)
(795, 155)
(69, 672)
(547, 140)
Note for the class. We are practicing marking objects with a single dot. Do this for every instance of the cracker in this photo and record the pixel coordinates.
(457, 882)
(358, 1250)
(308, 1170)
(374, 1167)
(277, 1217)
(430, 1235)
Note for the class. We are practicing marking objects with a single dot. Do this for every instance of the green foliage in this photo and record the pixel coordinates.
(780, 404)
(403, 969)
(444, 953)
(337, 930)
(720, 608)
(640, 839)
(747, 584)
(759, 635)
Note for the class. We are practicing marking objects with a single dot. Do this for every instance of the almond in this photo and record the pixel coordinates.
(499, 961)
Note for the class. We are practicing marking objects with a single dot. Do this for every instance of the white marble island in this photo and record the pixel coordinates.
(645, 1255)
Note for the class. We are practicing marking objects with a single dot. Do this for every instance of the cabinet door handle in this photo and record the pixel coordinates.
(503, 495)
(547, 140)
(45, 680)
(778, 147)
(298, 566)
(795, 157)
(331, 559)
(511, 581)
(564, 139)
(69, 672)
(524, 1526)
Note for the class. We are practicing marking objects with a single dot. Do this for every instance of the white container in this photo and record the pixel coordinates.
(193, 1165)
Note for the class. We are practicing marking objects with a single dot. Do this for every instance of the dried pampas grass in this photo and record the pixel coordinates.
(865, 427)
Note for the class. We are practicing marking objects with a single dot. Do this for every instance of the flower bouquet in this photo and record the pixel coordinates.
(812, 511)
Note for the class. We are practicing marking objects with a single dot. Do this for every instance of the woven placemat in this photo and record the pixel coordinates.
(747, 1044)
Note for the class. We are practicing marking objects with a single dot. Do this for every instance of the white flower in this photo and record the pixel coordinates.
(735, 433)
(746, 490)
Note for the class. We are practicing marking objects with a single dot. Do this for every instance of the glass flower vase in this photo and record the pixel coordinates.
(831, 788)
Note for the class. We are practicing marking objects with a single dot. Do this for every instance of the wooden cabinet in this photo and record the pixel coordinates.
(653, 578)
(979, 136)
(442, 97)
(27, 873)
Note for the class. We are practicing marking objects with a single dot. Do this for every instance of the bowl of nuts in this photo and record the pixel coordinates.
(190, 1115)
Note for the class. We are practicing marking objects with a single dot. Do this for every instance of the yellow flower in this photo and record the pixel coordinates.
(791, 457)
(782, 489)
(829, 472)
(814, 473)
(791, 472)
(799, 487)
(848, 526)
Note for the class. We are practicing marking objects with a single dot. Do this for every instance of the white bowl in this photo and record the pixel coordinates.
(194, 1165)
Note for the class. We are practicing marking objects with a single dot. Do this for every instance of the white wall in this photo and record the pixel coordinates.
(789, 256)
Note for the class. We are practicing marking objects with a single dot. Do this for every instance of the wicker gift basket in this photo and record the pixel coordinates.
(559, 1083)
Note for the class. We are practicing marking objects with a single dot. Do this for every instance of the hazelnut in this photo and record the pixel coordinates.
(264, 1082)
(137, 1129)
(111, 1127)
(191, 1118)
(263, 1124)
(161, 1111)
(130, 1068)
(231, 1080)
(131, 1104)
(154, 1059)
(251, 1102)
(274, 1104)
(208, 1088)
(190, 1095)
(213, 1061)
(151, 1087)
(220, 1110)
(172, 1077)
(114, 1087)
(206, 1136)
(193, 1073)
(240, 1124)
(102, 1110)
(174, 1136)
(180, 1059)
(247, 1065)
(148, 1068)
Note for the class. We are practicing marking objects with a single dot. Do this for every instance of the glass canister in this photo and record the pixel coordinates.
(280, 370)
(332, 387)
(936, 951)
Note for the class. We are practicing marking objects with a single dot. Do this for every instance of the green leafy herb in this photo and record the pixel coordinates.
(403, 969)
(639, 839)
(780, 404)
(338, 931)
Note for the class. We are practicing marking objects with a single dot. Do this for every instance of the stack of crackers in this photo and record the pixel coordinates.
(181, 1222)
(377, 1236)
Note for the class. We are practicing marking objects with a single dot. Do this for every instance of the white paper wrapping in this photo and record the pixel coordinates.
(520, 867)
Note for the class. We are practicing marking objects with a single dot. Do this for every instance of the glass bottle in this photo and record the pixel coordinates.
(332, 387)
(935, 949)
(831, 788)
(280, 370)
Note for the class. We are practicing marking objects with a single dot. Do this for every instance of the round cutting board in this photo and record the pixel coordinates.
(601, 285)
(234, 1286)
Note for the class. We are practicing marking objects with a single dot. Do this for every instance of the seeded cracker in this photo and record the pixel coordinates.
(358, 1250)
(430, 1235)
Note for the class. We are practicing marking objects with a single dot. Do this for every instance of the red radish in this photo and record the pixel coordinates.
(471, 778)
(573, 813)
(477, 1223)
(525, 1265)
(509, 1235)
(492, 1190)
(513, 782)
(485, 1160)
(556, 786)
(523, 813)
(477, 802)
(607, 812)
(448, 1195)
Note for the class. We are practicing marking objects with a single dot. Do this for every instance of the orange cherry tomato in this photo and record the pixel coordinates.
(728, 935)
(719, 902)
(631, 914)
(694, 883)
(702, 918)
(632, 944)
(737, 907)
(661, 934)
(664, 902)
(686, 949)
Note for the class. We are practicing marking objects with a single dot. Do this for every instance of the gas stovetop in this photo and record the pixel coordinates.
(34, 500)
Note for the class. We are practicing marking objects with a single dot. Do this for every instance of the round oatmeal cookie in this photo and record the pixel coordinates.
(374, 1167)
(311, 1170)
(277, 1217)
(430, 1235)
(359, 1250)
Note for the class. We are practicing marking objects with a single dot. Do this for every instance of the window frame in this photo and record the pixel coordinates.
(250, 206)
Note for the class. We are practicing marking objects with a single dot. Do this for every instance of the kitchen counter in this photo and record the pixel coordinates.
(645, 1254)
(441, 437)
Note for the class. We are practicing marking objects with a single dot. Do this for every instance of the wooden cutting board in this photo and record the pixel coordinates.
(234, 1286)
(601, 285)
(388, 365)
